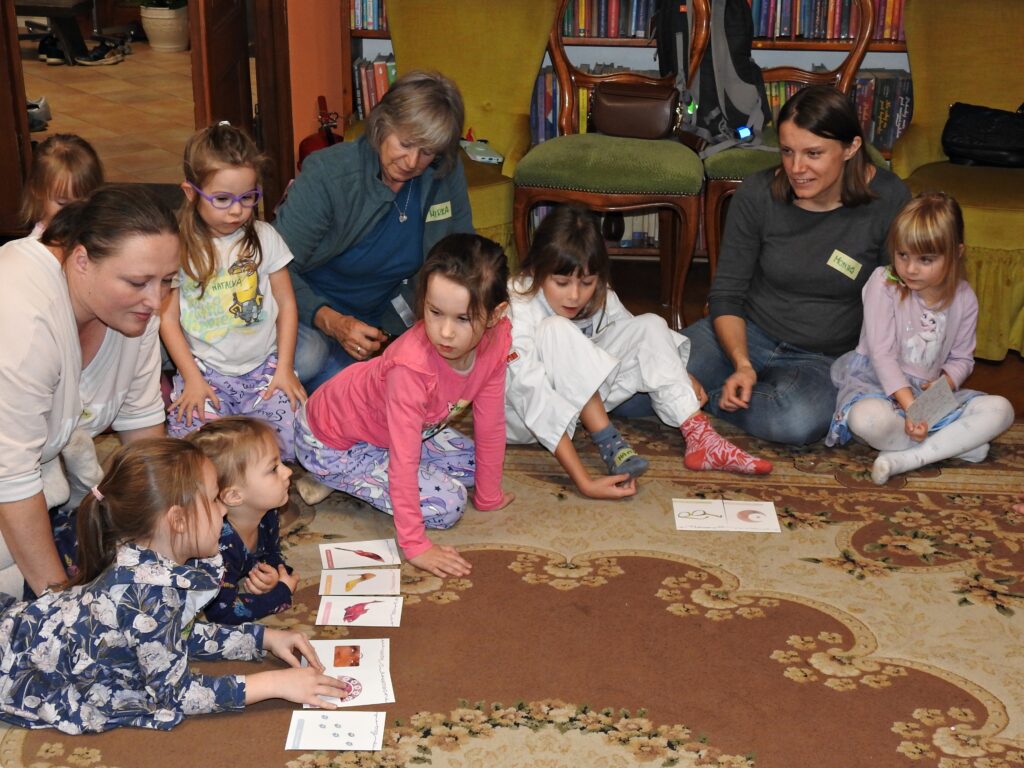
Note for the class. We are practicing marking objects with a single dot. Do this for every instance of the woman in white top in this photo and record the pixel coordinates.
(79, 350)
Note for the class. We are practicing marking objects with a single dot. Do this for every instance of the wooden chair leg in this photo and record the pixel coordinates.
(521, 221)
(687, 210)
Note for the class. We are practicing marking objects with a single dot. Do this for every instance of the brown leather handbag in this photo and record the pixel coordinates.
(635, 110)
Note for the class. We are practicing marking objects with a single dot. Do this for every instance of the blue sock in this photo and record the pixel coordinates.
(618, 456)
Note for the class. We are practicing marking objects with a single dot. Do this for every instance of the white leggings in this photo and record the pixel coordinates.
(875, 421)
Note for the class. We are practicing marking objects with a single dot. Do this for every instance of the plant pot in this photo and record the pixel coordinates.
(166, 28)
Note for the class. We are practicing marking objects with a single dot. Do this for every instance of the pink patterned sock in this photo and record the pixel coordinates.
(706, 449)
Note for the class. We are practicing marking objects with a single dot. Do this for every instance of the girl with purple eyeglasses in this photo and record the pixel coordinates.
(230, 325)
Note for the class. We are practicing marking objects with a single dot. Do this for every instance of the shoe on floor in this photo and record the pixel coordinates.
(101, 55)
(50, 51)
(40, 108)
(35, 124)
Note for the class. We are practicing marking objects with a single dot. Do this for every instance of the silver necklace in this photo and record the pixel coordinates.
(402, 218)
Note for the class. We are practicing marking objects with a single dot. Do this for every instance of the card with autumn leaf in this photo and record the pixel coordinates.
(359, 611)
(359, 554)
(380, 581)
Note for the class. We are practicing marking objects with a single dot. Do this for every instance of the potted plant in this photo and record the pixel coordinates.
(165, 23)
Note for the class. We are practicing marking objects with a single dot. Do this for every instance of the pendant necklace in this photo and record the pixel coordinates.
(402, 218)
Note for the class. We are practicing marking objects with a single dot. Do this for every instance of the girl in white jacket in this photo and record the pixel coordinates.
(577, 353)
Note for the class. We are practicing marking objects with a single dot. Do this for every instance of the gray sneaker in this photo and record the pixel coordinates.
(100, 56)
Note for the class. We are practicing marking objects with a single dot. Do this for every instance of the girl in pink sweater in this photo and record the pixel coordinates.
(920, 317)
(379, 430)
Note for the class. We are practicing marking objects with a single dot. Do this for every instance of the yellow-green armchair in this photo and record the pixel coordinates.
(971, 52)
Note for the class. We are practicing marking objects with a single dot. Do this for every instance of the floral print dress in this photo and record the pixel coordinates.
(115, 652)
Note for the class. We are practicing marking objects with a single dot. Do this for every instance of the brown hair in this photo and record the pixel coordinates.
(426, 109)
(569, 242)
(146, 478)
(63, 166)
(109, 216)
(931, 223)
(827, 113)
(209, 150)
(232, 443)
(477, 264)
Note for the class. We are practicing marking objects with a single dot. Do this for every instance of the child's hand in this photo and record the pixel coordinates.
(698, 390)
(191, 403)
(291, 646)
(291, 579)
(609, 487)
(916, 432)
(261, 579)
(290, 386)
(304, 685)
(442, 561)
(506, 499)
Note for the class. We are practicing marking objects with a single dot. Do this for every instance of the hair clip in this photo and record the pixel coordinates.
(96, 492)
(224, 122)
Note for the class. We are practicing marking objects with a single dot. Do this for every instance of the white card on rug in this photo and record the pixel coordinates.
(359, 554)
(380, 581)
(721, 515)
(933, 404)
(363, 666)
(336, 731)
(359, 611)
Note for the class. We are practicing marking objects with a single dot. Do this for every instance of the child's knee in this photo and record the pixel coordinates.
(445, 505)
(556, 332)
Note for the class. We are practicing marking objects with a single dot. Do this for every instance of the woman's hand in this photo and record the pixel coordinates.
(916, 432)
(291, 647)
(290, 386)
(737, 389)
(442, 561)
(261, 579)
(191, 403)
(357, 338)
(608, 487)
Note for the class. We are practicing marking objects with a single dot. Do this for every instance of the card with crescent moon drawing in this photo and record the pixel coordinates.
(375, 581)
(363, 667)
(725, 515)
(359, 554)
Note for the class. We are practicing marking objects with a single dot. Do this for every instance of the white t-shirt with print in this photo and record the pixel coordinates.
(233, 327)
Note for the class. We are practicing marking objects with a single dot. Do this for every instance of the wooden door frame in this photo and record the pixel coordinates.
(274, 97)
(15, 144)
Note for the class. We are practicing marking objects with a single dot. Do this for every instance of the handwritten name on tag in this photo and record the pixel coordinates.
(840, 262)
(440, 211)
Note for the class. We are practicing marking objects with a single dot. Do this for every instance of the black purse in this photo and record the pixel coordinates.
(976, 135)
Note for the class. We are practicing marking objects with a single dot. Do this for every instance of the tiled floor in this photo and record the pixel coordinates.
(137, 113)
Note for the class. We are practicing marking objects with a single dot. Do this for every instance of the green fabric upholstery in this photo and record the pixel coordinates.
(593, 162)
(737, 163)
(984, 66)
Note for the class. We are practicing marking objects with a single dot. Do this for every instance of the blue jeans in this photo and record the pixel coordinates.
(793, 399)
(318, 357)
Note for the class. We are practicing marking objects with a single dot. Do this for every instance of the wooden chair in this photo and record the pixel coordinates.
(726, 170)
(492, 51)
(610, 173)
(971, 52)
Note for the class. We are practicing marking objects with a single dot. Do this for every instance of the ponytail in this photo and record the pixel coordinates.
(96, 543)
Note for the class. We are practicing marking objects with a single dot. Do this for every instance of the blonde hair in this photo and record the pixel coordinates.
(209, 150)
(931, 223)
(233, 443)
(146, 478)
(63, 166)
(426, 109)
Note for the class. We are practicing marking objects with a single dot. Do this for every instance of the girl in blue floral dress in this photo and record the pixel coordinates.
(113, 648)
(253, 485)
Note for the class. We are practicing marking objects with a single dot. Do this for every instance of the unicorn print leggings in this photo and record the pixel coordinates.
(447, 468)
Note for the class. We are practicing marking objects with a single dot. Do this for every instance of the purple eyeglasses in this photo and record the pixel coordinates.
(224, 200)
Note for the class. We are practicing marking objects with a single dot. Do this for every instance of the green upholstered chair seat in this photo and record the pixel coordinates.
(990, 197)
(592, 162)
(736, 163)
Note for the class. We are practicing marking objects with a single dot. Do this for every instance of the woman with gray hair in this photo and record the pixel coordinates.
(362, 215)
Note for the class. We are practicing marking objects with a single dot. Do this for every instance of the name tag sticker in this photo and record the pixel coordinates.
(440, 211)
(840, 262)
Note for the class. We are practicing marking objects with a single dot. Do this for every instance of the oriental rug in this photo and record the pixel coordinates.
(883, 628)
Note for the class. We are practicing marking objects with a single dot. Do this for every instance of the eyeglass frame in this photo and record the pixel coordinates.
(234, 198)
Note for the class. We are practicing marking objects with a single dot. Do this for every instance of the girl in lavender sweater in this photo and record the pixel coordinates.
(920, 317)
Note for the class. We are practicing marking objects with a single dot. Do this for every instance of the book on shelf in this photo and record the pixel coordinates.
(823, 19)
(357, 88)
(884, 102)
(380, 76)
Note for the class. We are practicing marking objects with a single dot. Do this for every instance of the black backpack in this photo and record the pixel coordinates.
(729, 93)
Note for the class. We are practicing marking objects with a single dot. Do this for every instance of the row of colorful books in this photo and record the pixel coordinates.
(368, 15)
(608, 18)
(824, 19)
(370, 81)
(885, 102)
